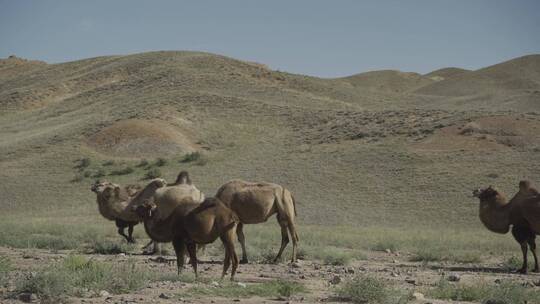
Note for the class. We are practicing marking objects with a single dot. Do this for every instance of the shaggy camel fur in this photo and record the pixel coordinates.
(166, 200)
(194, 223)
(114, 203)
(254, 203)
(497, 214)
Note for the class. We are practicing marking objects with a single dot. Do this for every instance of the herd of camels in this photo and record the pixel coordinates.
(180, 213)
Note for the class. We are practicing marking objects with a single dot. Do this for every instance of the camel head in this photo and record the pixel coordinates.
(158, 183)
(484, 194)
(106, 190)
(145, 210)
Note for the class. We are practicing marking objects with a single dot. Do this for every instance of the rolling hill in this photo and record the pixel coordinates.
(377, 147)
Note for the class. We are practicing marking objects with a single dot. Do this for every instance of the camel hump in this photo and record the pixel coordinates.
(183, 178)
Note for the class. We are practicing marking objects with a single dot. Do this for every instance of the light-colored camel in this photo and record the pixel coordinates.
(497, 214)
(115, 203)
(193, 223)
(166, 199)
(254, 203)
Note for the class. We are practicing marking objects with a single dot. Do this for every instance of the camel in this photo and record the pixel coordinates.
(166, 199)
(254, 203)
(114, 203)
(193, 223)
(522, 212)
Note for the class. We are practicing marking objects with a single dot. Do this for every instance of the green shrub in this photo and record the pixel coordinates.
(99, 173)
(143, 163)
(108, 247)
(266, 289)
(108, 163)
(77, 178)
(505, 293)
(87, 173)
(74, 273)
(83, 163)
(191, 157)
(364, 289)
(152, 173)
(123, 171)
(160, 162)
(5, 267)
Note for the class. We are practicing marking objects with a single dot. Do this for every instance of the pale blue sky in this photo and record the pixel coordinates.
(320, 38)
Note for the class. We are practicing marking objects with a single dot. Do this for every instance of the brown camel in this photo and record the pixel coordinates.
(498, 214)
(193, 223)
(254, 203)
(114, 203)
(166, 200)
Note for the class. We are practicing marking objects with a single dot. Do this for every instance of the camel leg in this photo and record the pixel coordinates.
(192, 250)
(145, 248)
(121, 225)
(157, 248)
(520, 235)
(180, 250)
(294, 236)
(284, 237)
(532, 246)
(130, 234)
(230, 254)
(242, 240)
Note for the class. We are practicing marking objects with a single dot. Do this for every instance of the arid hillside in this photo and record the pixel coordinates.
(378, 148)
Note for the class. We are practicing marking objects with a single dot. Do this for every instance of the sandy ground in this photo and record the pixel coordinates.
(319, 279)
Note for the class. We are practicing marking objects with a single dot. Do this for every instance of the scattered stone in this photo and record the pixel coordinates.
(121, 254)
(28, 297)
(335, 280)
(350, 270)
(417, 296)
(236, 300)
(395, 275)
(104, 293)
(296, 264)
(497, 281)
(294, 271)
(164, 296)
(388, 250)
(303, 277)
(454, 277)
(215, 284)
(536, 283)
(243, 285)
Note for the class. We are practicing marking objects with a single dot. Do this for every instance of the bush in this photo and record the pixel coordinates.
(143, 163)
(191, 157)
(123, 171)
(75, 273)
(504, 293)
(364, 289)
(99, 173)
(5, 267)
(108, 163)
(160, 162)
(152, 173)
(108, 247)
(87, 174)
(83, 163)
(77, 178)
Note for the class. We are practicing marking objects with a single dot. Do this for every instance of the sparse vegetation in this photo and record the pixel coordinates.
(5, 267)
(123, 171)
(364, 289)
(108, 163)
(101, 246)
(152, 173)
(191, 157)
(83, 163)
(99, 173)
(160, 162)
(74, 273)
(504, 293)
(266, 289)
(143, 163)
(77, 178)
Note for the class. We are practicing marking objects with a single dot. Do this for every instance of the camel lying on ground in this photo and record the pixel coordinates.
(254, 203)
(194, 223)
(522, 212)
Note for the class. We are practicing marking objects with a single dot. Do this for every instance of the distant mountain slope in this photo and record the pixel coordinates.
(388, 81)
(510, 77)
(445, 73)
